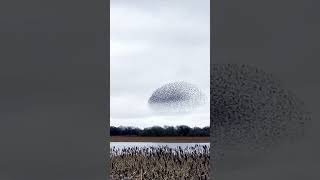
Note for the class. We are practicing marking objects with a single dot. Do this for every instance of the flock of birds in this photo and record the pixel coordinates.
(251, 114)
(177, 97)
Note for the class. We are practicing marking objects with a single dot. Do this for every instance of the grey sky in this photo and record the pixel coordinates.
(153, 43)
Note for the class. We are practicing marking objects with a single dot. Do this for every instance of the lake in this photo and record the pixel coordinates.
(121, 145)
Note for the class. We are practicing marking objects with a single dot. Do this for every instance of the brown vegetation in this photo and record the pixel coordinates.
(160, 163)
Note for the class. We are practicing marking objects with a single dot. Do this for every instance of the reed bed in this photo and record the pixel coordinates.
(160, 163)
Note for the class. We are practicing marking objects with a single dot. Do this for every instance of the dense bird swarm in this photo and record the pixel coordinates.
(176, 97)
(161, 163)
(251, 111)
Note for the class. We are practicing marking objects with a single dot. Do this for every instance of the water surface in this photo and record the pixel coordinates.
(155, 144)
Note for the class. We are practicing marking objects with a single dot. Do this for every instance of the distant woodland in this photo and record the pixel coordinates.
(160, 131)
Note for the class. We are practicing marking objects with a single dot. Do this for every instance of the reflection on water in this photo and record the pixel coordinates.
(122, 145)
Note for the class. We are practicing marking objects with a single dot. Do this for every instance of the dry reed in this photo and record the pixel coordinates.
(160, 163)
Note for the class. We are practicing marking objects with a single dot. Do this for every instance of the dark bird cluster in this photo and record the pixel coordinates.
(251, 111)
(176, 97)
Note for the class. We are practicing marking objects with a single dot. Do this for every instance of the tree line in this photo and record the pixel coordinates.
(181, 130)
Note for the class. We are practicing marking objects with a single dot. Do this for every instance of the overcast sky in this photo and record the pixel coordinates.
(152, 43)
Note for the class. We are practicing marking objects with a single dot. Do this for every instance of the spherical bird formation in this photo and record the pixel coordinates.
(251, 112)
(176, 97)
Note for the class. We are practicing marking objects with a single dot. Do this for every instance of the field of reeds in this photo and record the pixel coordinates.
(160, 163)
